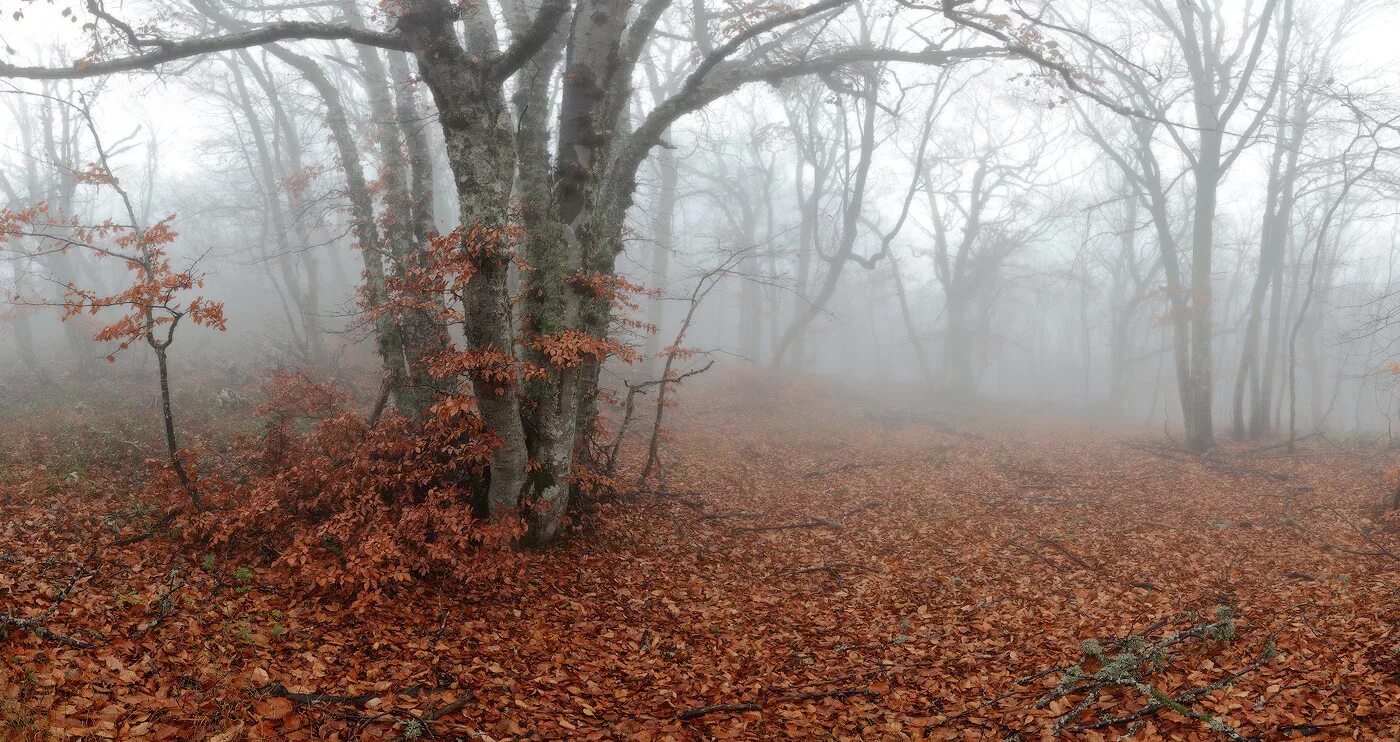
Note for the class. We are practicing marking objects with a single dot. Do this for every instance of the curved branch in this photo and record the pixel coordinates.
(524, 46)
(96, 8)
(633, 151)
(177, 50)
(1061, 68)
(722, 53)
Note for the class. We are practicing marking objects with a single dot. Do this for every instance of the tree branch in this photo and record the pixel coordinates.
(524, 46)
(729, 47)
(173, 51)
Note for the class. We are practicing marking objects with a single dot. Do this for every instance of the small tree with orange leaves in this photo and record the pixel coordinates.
(151, 307)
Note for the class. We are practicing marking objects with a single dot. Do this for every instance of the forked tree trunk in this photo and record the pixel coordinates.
(478, 133)
(559, 285)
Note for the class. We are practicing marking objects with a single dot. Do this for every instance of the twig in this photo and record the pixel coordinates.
(834, 570)
(280, 691)
(1307, 729)
(838, 693)
(1080, 562)
(1189, 696)
(1066, 553)
(164, 603)
(164, 521)
(1276, 446)
(840, 469)
(44, 633)
(450, 708)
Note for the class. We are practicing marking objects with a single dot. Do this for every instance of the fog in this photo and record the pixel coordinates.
(643, 369)
(1028, 225)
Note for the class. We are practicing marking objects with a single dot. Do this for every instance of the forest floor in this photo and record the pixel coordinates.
(810, 570)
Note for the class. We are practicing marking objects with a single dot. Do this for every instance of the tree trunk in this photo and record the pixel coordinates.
(663, 226)
(477, 131)
(420, 335)
(424, 337)
(915, 340)
(1200, 433)
(365, 228)
(957, 350)
(850, 221)
(1246, 376)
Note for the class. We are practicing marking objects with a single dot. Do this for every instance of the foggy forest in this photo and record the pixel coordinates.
(658, 370)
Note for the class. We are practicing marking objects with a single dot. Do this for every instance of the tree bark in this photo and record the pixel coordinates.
(420, 335)
(477, 130)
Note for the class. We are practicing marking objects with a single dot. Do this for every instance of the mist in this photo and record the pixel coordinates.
(356, 300)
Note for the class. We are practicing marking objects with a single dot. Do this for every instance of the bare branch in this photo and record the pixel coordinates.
(172, 51)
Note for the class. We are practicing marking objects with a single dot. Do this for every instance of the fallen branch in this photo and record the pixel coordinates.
(280, 691)
(1308, 730)
(1125, 664)
(718, 708)
(1276, 446)
(838, 693)
(35, 624)
(840, 469)
(934, 454)
(729, 514)
(834, 570)
(1080, 562)
(450, 708)
(867, 505)
(1178, 703)
(723, 708)
(44, 633)
(164, 604)
(813, 523)
(155, 528)
(1178, 455)
(1379, 550)
(1043, 499)
(1066, 553)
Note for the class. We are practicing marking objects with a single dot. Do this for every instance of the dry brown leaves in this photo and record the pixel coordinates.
(938, 582)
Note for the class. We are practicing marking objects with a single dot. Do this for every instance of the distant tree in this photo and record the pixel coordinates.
(1221, 71)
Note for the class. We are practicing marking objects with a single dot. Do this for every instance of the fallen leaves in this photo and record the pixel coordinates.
(922, 617)
(274, 708)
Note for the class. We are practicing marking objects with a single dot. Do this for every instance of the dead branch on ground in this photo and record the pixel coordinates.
(788, 698)
(35, 624)
(1082, 563)
(730, 514)
(814, 522)
(1127, 663)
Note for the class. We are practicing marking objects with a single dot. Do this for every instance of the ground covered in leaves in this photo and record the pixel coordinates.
(812, 567)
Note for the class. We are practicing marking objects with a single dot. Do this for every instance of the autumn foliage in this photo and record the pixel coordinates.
(815, 565)
(342, 507)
